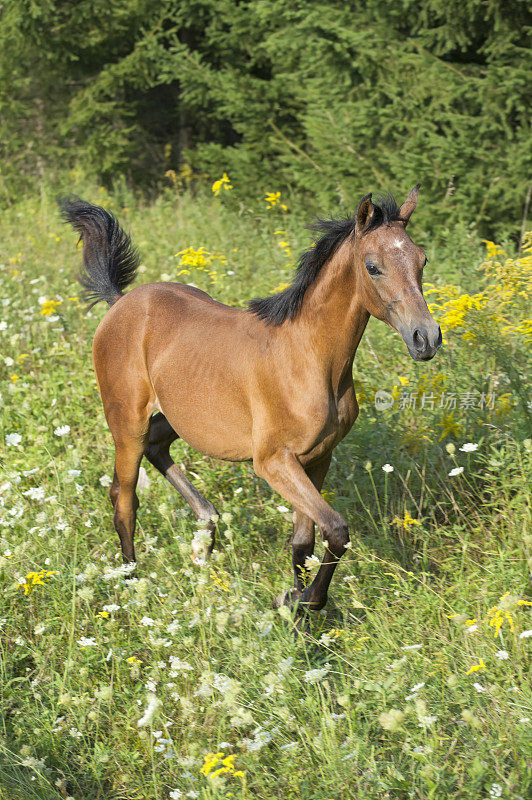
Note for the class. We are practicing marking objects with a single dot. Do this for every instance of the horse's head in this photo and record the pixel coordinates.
(390, 266)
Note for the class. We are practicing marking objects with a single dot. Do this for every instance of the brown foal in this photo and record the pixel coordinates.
(272, 383)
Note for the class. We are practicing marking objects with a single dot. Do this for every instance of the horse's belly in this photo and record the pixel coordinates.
(230, 447)
(220, 430)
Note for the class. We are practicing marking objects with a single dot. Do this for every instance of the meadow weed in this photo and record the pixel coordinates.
(181, 681)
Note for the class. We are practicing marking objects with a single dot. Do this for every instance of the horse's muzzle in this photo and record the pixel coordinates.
(424, 341)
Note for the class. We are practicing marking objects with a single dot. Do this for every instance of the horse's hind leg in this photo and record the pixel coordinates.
(130, 437)
(161, 436)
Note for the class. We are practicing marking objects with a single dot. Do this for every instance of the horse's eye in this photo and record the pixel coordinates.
(372, 268)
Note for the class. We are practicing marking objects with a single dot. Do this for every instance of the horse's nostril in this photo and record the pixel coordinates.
(419, 340)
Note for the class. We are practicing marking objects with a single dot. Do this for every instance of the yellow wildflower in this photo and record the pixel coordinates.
(218, 580)
(49, 307)
(224, 766)
(34, 579)
(449, 425)
(406, 522)
(476, 667)
(280, 288)
(274, 199)
(223, 183)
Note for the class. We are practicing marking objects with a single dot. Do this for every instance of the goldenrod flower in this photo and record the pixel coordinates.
(280, 288)
(476, 667)
(273, 199)
(224, 766)
(406, 522)
(49, 306)
(223, 183)
(34, 579)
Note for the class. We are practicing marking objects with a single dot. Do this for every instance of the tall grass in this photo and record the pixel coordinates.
(414, 682)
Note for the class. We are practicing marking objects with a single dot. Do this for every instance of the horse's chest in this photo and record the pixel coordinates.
(330, 428)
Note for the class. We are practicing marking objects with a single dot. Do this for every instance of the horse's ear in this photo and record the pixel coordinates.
(365, 214)
(407, 209)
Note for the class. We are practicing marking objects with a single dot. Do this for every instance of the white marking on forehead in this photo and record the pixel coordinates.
(399, 243)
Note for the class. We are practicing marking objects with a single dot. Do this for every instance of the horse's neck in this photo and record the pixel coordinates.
(332, 316)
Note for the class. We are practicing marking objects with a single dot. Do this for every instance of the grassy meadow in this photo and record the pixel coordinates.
(183, 682)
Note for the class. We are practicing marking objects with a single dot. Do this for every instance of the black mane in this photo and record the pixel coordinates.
(285, 305)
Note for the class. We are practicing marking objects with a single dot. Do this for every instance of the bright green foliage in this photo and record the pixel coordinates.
(331, 99)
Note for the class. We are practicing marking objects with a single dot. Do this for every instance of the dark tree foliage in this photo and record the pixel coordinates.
(329, 98)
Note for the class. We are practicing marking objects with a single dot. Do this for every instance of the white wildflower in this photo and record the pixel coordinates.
(525, 634)
(282, 509)
(177, 666)
(502, 655)
(456, 471)
(412, 647)
(316, 675)
(62, 430)
(87, 641)
(33, 763)
(147, 622)
(496, 790)
(261, 738)
(35, 493)
(479, 687)
(200, 544)
(149, 712)
(414, 690)
(469, 447)
(13, 439)
(110, 607)
(105, 480)
(312, 563)
(387, 468)
(119, 572)
(86, 593)
(173, 627)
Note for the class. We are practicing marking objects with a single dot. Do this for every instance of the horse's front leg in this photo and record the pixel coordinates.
(303, 531)
(285, 475)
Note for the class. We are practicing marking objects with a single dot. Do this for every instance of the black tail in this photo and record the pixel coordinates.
(110, 261)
